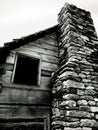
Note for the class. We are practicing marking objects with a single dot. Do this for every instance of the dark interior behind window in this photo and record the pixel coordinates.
(26, 71)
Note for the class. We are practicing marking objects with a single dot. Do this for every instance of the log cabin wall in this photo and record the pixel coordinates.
(28, 101)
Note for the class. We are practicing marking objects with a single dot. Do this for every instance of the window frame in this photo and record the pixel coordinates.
(32, 57)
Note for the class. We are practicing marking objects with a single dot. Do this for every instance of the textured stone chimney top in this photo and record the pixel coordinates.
(66, 4)
(73, 7)
(76, 17)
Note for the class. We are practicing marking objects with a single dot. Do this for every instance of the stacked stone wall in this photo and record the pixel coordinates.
(75, 87)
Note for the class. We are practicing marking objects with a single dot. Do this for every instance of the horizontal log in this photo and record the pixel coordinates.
(19, 113)
(8, 66)
(38, 50)
(46, 73)
(50, 59)
(11, 58)
(48, 66)
(6, 77)
(43, 45)
(12, 95)
(45, 82)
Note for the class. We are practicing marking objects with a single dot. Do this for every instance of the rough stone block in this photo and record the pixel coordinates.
(90, 87)
(55, 103)
(73, 84)
(96, 99)
(96, 116)
(97, 104)
(87, 122)
(81, 114)
(56, 112)
(70, 103)
(64, 74)
(86, 80)
(72, 124)
(67, 124)
(94, 109)
(58, 88)
(71, 119)
(82, 102)
(71, 96)
(71, 90)
(85, 97)
(86, 128)
(84, 37)
(61, 123)
(82, 75)
(91, 103)
(84, 108)
(90, 92)
(80, 92)
(68, 128)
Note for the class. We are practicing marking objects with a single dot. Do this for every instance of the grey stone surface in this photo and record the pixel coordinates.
(78, 69)
(87, 122)
(68, 128)
(70, 103)
(82, 102)
(86, 128)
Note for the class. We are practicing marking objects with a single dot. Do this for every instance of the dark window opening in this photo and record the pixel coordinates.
(26, 71)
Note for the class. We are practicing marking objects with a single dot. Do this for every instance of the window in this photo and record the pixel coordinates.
(26, 70)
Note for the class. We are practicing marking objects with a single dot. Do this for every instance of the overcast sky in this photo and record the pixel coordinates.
(23, 17)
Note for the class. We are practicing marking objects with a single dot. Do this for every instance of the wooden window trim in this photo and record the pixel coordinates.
(32, 57)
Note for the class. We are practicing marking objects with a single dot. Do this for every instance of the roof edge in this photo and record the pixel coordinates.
(24, 40)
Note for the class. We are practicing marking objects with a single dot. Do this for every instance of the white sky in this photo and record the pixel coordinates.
(23, 17)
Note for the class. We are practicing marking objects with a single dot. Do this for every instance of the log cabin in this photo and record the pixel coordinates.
(26, 68)
(49, 80)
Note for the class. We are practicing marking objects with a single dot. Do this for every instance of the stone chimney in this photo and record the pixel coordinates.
(75, 83)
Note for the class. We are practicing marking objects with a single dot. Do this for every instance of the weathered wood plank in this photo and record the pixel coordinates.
(48, 66)
(53, 36)
(46, 73)
(49, 59)
(49, 40)
(45, 82)
(21, 96)
(25, 87)
(7, 76)
(10, 58)
(38, 50)
(8, 66)
(36, 43)
(22, 125)
(21, 112)
(43, 45)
